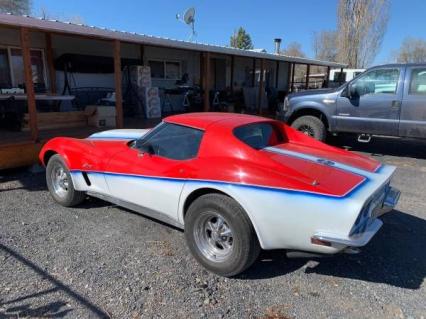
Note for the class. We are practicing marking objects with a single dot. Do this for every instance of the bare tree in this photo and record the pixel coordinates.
(325, 45)
(412, 50)
(15, 6)
(361, 26)
(45, 14)
(293, 49)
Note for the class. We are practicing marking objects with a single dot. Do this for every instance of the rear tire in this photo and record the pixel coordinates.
(220, 235)
(59, 183)
(311, 126)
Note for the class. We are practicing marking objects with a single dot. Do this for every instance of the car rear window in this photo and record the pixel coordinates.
(259, 135)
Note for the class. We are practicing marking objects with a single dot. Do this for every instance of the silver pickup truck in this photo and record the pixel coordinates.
(384, 100)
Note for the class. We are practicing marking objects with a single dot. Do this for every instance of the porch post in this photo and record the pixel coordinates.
(117, 78)
(292, 77)
(142, 51)
(277, 74)
(206, 82)
(29, 85)
(327, 80)
(50, 63)
(341, 80)
(289, 77)
(308, 71)
(232, 73)
(253, 79)
(261, 90)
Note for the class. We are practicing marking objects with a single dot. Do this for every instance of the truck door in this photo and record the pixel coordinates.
(371, 103)
(413, 110)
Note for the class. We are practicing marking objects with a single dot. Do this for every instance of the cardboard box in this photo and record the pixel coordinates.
(140, 76)
(100, 116)
(152, 103)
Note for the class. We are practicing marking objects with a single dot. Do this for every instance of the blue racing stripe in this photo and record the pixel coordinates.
(230, 184)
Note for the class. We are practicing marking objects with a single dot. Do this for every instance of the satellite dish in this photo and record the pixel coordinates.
(189, 19)
(189, 16)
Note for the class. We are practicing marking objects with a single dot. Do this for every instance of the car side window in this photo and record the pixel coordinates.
(173, 141)
(259, 135)
(418, 82)
(380, 81)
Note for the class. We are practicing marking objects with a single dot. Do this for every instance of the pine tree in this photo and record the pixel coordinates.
(241, 40)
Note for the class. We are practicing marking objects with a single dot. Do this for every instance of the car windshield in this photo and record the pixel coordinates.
(259, 135)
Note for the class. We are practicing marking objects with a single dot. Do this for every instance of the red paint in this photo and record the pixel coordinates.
(222, 157)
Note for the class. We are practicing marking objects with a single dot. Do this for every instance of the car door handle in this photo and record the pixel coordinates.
(396, 104)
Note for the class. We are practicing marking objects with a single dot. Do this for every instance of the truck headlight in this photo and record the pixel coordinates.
(286, 104)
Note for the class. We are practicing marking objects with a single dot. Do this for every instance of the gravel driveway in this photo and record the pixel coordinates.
(99, 260)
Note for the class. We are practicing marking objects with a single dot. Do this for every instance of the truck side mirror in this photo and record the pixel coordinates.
(353, 91)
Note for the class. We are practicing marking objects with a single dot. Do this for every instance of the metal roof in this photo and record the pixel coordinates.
(56, 26)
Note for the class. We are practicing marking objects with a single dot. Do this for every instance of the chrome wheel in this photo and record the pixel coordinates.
(59, 179)
(213, 236)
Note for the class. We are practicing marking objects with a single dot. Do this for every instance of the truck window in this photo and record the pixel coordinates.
(380, 81)
(418, 82)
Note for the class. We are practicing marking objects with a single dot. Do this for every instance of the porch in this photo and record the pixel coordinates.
(55, 74)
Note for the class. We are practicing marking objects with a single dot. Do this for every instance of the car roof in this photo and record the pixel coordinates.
(204, 120)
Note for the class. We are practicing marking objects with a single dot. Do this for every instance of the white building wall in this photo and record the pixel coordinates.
(189, 60)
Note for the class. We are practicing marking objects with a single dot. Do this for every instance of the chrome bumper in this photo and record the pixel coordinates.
(389, 202)
(352, 241)
(391, 199)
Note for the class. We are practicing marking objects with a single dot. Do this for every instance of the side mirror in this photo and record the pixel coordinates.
(144, 147)
(353, 92)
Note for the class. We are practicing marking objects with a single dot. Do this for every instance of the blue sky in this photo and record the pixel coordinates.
(292, 20)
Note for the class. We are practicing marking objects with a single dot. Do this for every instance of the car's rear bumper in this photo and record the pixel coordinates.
(352, 241)
(391, 199)
(359, 240)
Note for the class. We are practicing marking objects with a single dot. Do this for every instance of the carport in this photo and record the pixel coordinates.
(245, 74)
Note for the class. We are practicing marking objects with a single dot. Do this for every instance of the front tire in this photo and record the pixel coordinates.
(59, 183)
(220, 235)
(311, 126)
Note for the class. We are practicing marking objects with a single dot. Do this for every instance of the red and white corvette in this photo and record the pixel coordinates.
(235, 183)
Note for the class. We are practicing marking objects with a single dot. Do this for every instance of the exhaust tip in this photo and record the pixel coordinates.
(352, 250)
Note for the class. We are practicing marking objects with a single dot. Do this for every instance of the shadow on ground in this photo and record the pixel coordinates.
(396, 256)
(56, 309)
(381, 146)
(21, 178)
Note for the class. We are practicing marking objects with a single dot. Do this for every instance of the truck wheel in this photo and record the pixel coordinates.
(311, 126)
(220, 235)
(59, 183)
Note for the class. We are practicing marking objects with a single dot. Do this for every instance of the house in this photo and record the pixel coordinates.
(51, 70)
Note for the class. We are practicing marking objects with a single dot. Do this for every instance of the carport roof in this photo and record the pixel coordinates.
(55, 26)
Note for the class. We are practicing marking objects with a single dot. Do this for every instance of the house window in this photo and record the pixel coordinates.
(172, 70)
(12, 67)
(169, 70)
(157, 69)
